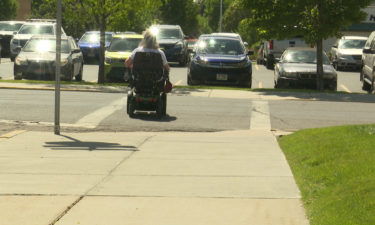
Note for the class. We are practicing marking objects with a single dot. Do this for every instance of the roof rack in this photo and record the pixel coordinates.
(42, 20)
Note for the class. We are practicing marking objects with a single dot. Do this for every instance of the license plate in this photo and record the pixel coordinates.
(221, 76)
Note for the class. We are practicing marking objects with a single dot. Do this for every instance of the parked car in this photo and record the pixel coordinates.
(7, 29)
(367, 75)
(297, 67)
(118, 51)
(273, 49)
(37, 59)
(172, 41)
(30, 28)
(90, 44)
(347, 52)
(220, 60)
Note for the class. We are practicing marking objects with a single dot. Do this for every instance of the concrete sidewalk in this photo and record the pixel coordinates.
(232, 177)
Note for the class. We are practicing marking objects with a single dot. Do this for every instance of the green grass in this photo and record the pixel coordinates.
(335, 171)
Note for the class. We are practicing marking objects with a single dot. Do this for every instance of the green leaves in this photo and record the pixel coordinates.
(8, 9)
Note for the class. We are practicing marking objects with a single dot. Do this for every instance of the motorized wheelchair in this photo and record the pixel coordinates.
(147, 81)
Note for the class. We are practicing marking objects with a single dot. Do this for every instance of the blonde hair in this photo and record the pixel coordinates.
(149, 40)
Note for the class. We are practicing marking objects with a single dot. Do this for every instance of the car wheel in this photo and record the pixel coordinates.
(79, 76)
(278, 84)
(12, 58)
(18, 77)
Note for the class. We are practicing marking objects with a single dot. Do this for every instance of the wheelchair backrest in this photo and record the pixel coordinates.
(148, 71)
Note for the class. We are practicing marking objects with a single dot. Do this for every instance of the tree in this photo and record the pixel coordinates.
(181, 12)
(315, 20)
(8, 9)
(212, 11)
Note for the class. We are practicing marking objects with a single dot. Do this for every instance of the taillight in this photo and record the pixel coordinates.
(271, 44)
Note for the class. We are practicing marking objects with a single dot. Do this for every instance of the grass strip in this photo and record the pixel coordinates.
(335, 170)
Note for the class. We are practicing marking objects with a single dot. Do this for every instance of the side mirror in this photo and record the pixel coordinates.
(367, 51)
(246, 44)
(334, 46)
(277, 60)
(15, 32)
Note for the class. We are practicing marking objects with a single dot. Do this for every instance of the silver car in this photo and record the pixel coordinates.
(37, 59)
(297, 67)
(346, 53)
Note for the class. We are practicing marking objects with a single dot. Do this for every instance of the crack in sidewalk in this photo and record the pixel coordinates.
(62, 214)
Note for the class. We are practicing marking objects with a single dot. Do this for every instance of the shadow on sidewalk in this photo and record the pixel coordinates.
(78, 145)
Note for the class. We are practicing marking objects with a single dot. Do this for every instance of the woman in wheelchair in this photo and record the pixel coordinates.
(149, 76)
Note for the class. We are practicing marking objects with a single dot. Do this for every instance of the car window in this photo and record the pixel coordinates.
(301, 56)
(169, 34)
(94, 38)
(36, 29)
(45, 45)
(73, 44)
(220, 46)
(350, 44)
(124, 44)
(10, 26)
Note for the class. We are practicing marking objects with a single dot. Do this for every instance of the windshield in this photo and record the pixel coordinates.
(10, 26)
(356, 44)
(220, 46)
(45, 45)
(124, 44)
(168, 34)
(36, 29)
(94, 38)
(301, 56)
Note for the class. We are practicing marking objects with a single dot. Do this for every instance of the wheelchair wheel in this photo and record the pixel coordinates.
(130, 107)
(160, 107)
(164, 99)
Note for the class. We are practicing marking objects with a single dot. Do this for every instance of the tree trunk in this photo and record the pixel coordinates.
(319, 65)
(101, 75)
(102, 28)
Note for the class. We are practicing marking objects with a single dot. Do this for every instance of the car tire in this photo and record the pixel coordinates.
(12, 59)
(17, 78)
(79, 76)
(247, 84)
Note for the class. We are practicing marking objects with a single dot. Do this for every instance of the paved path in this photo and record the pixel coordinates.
(236, 177)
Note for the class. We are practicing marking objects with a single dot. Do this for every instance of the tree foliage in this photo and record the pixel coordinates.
(314, 20)
(8, 9)
(181, 12)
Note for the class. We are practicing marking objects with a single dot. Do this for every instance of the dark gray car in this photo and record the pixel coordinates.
(37, 59)
(297, 67)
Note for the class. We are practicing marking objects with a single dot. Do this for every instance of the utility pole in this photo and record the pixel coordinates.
(221, 15)
(58, 68)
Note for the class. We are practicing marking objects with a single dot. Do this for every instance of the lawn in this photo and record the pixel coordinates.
(335, 170)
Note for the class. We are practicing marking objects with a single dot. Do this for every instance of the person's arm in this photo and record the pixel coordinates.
(129, 63)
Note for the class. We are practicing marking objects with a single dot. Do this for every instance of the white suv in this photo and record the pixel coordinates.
(368, 64)
(347, 52)
(29, 29)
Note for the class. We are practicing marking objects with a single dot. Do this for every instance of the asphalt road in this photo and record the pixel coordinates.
(106, 112)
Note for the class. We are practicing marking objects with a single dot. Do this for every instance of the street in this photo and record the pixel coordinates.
(348, 81)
